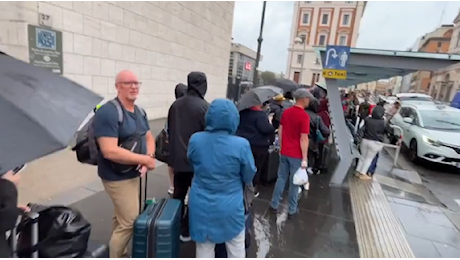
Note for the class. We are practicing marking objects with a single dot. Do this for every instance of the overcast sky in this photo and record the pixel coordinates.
(385, 25)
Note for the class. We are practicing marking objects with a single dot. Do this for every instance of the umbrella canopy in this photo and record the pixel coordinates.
(286, 85)
(257, 96)
(39, 112)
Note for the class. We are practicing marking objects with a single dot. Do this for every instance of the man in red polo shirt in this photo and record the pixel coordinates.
(293, 136)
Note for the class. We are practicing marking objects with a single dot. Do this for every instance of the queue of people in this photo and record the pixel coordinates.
(201, 162)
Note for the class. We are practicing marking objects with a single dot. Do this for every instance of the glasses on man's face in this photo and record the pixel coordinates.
(131, 84)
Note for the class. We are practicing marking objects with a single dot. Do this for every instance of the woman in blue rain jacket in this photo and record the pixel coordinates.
(222, 164)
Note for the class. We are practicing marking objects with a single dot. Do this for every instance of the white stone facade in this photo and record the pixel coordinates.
(160, 41)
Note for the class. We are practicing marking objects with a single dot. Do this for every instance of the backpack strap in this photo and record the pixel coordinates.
(143, 113)
(117, 105)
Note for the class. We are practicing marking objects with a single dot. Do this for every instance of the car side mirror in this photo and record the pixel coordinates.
(408, 120)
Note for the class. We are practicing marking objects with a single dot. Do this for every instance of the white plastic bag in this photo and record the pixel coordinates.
(300, 177)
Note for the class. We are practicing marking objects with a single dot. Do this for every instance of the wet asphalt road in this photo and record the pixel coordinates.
(443, 181)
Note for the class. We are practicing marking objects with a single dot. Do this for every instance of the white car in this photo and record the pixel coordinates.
(431, 131)
(414, 97)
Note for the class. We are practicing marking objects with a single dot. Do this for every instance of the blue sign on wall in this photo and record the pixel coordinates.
(46, 39)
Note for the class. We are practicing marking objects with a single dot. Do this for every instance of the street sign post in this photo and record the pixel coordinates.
(335, 65)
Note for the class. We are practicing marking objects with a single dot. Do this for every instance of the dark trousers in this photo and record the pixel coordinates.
(373, 166)
(260, 154)
(182, 182)
(320, 158)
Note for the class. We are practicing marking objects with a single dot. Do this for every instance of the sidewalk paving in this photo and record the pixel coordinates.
(323, 228)
(431, 230)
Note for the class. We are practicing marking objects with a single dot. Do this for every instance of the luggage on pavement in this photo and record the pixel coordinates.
(270, 174)
(33, 241)
(157, 229)
(61, 232)
(325, 157)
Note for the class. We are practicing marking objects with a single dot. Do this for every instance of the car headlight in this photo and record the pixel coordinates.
(430, 141)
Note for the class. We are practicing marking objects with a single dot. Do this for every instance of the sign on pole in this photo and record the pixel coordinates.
(335, 65)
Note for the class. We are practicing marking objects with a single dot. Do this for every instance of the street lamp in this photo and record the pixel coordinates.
(259, 47)
(301, 40)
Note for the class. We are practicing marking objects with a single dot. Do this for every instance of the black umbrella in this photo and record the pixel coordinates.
(257, 96)
(286, 85)
(39, 112)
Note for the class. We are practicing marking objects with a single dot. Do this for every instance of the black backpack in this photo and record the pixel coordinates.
(86, 147)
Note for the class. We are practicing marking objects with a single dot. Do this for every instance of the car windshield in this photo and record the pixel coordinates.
(440, 119)
(415, 98)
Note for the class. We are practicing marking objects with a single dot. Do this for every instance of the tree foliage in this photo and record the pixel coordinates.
(267, 77)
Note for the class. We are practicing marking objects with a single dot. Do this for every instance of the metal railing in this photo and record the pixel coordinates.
(397, 146)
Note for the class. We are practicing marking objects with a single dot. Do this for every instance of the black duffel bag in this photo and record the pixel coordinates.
(63, 233)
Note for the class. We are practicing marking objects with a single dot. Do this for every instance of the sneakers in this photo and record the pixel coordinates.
(312, 171)
(364, 177)
(185, 238)
(171, 190)
(290, 216)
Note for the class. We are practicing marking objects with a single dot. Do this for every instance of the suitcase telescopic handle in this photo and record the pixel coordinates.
(33, 216)
(142, 202)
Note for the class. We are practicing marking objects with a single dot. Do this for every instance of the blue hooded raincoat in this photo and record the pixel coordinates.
(222, 164)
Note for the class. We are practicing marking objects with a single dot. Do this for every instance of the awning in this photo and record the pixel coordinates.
(367, 65)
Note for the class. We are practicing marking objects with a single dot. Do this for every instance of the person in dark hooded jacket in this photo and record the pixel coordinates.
(255, 127)
(186, 116)
(317, 127)
(179, 91)
(323, 112)
(276, 107)
(319, 92)
(375, 129)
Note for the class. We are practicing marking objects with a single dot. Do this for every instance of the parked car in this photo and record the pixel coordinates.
(414, 97)
(430, 131)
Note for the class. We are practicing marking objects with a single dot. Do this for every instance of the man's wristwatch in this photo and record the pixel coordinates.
(151, 155)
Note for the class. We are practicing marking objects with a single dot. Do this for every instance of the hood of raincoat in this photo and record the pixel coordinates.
(378, 112)
(180, 91)
(197, 83)
(323, 105)
(222, 115)
(318, 92)
(313, 105)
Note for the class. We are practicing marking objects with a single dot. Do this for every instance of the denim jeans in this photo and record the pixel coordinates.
(373, 166)
(287, 167)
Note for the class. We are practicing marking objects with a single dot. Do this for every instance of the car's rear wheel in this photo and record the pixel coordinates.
(413, 154)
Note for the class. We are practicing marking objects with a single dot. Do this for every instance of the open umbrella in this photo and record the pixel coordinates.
(39, 112)
(257, 96)
(286, 85)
